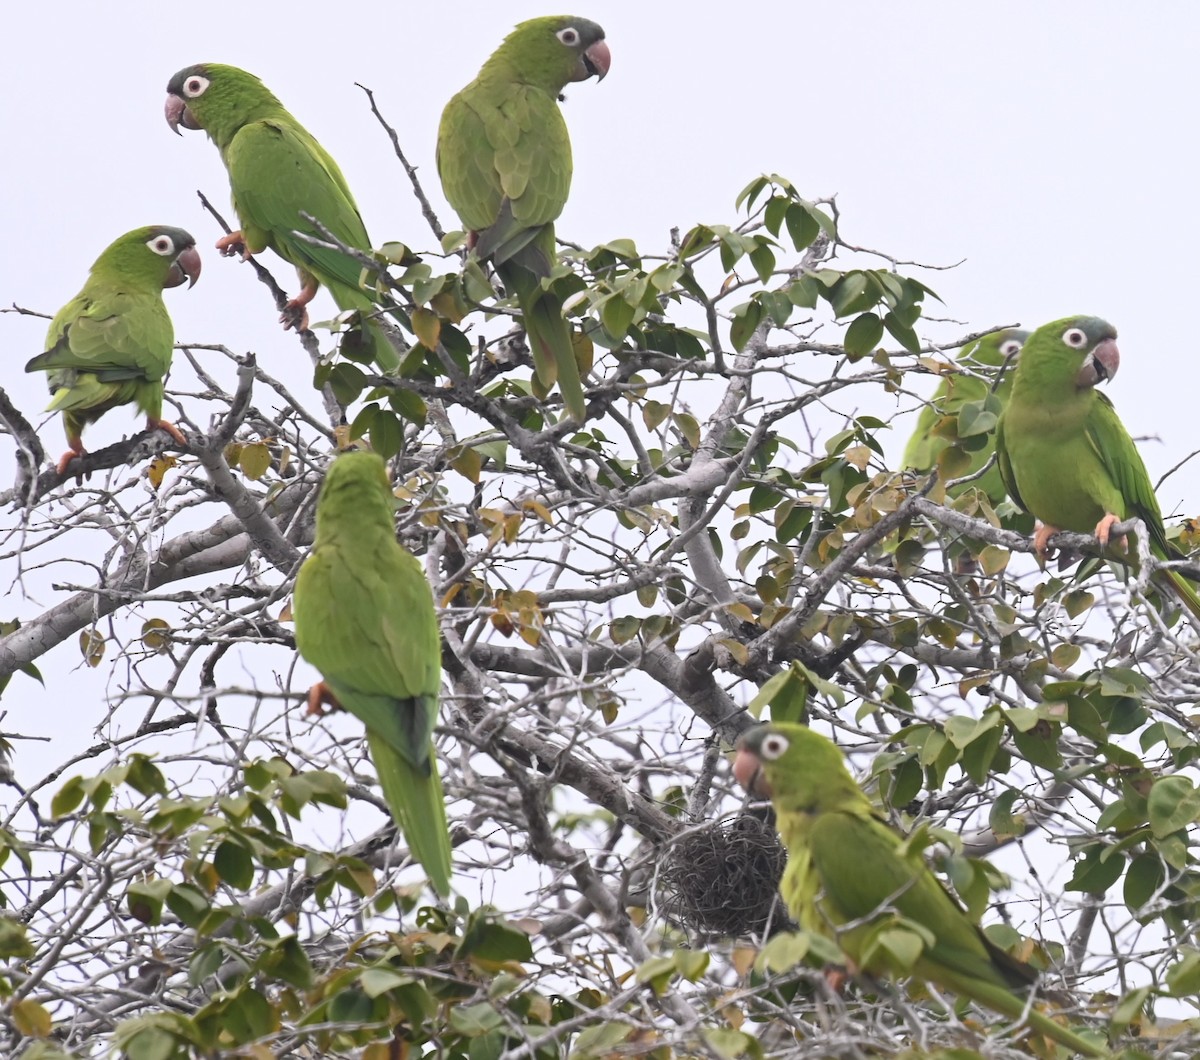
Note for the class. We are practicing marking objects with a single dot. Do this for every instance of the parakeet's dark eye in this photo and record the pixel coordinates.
(569, 36)
(194, 86)
(1076, 338)
(773, 746)
(1010, 347)
(163, 245)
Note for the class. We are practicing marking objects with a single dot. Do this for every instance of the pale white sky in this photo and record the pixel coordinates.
(1049, 145)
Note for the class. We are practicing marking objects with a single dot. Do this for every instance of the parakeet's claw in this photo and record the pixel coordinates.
(64, 461)
(165, 425)
(234, 244)
(1041, 538)
(1104, 531)
(320, 697)
(294, 314)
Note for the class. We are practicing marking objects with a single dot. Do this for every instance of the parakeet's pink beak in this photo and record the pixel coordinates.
(178, 114)
(184, 267)
(1101, 365)
(594, 62)
(747, 770)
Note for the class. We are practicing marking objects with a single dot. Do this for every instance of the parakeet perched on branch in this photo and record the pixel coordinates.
(504, 157)
(365, 619)
(277, 171)
(112, 343)
(851, 878)
(1065, 456)
(989, 355)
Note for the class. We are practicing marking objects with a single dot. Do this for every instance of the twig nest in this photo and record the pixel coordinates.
(724, 879)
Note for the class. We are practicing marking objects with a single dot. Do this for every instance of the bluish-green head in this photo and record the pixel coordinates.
(554, 50)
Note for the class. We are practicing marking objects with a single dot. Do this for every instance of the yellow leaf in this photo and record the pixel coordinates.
(737, 649)
(540, 510)
(993, 560)
(1064, 656)
(31, 1019)
(469, 464)
(156, 634)
(285, 613)
(91, 643)
(158, 469)
(427, 326)
(653, 414)
(446, 305)
(584, 350)
(858, 455)
(255, 459)
(690, 428)
(742, 958)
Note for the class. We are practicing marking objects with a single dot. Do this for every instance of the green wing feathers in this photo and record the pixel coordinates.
(365, 619)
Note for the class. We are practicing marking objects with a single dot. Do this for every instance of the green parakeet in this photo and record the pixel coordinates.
(979, 360)
(846, 866)
(365, 619)
(111, 344)
(276, 170)
(1064, 454)
(504, 157)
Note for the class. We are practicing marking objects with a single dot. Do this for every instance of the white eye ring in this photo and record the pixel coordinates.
(1076, 338)
(1009, 347)
(773, 746)
(569, 36)
(162, 245)
(194, 86)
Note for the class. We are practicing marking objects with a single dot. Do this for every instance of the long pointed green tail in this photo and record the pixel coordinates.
(418, 807)
(1185, 592)
(1002, 1000)
(549, 336)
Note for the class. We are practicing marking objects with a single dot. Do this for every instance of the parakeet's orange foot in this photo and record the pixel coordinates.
(234, 244)
(319, 697)
(294, 315)
(1104, 531)
(170, 428)
(1041, 538)
(64, 461)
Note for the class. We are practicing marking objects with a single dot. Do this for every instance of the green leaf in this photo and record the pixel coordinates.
(746, 319)
(1173, 804)
(387, 434)
(1142, 879)
(802, 226)
(234, 864)
(863, 335)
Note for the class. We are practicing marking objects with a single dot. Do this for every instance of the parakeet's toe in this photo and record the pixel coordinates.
(64, 461)
(170, 428)
(294, 315)
(319, 697)
(1041, 538)
(1104, 529)
(232, 245)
